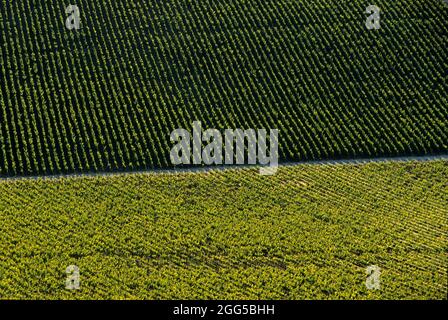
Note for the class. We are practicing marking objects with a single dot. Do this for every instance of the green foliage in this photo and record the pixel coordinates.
(307, 232)
(106, 97)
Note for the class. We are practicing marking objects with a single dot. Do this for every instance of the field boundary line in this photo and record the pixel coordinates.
(206, 169)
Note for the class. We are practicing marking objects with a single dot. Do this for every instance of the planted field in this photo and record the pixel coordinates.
(106, 97)
(307, 232)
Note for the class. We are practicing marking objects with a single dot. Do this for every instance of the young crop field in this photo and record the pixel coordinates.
(307, 232)
(106, 97)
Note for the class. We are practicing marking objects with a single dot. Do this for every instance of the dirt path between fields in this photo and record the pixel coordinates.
(232, 167)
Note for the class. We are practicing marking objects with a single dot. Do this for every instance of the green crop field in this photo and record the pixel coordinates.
(307, 232)
(106, 97)
(89, 115)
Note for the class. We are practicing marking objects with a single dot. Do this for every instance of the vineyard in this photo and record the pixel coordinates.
(87, 113)
(106, 97)
(307, 232)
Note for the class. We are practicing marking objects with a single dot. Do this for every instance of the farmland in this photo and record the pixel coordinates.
(107, 96)
(307, 232)
(87, 113)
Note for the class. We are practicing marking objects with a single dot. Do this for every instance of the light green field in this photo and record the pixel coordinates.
(307, 232)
